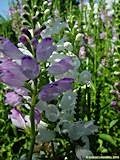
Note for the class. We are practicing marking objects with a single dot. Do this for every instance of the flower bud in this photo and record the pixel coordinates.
(34, 42)
(25, 23)
(37, 32)
(25, 30)
(35, 8)
(26, 7)
(103, 35)
(78, 37)
(82, 52)
(45, 3)
(116, 84)
(34, 19)
(23, 39)
(114, 92)
(116, 60)
(68, 46)
(114, 103)
(26, 16)
(85, 77)
(46, 12)
(117, 73)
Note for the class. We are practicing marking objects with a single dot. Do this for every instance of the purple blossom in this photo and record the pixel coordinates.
(17, 118)
(114, 103)
(82, 52)
(9, 49)
(11, 73)
(21, 121)
(13, 99)
(21, 91)
(116, 84)
(11, 11)
(114, 91)
(102, 16)
(103, 35)
(52, 90)
(61, 67)
(30, 67)
(45, 49)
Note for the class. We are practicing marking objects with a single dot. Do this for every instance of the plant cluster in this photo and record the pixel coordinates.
(60, 83)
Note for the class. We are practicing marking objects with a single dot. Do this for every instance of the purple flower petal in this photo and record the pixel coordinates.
(51, 91)
(61, 67)
(45, 49)
(17, 118)
(30, 67)
(34, 42)
(21, 91)
(9, 49)
(13, 99)
(37, 116)
(11, 73)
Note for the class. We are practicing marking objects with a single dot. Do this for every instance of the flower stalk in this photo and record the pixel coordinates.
(32, 120)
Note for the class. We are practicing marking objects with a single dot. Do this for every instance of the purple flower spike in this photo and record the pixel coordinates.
(45, 49)
(61, 67)
(13, 99)
(52, 90)
(9, 49)
(11, 73)
(17, 118)
(30, 67)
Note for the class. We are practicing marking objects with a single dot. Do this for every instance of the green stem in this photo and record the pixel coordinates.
(32, 120)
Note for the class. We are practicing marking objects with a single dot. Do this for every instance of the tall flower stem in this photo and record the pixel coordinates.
(32, 120)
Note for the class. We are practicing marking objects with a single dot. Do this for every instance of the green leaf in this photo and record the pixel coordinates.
(107, 138)
(112, 123)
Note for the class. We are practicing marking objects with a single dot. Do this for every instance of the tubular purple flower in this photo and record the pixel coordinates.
(13, 99)
(9, 49)
(21, 121)
(45, 49)
(21, 91)
(11, 73)
(17, 118)
(30, 67)
(61, 67)
(52, 90)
